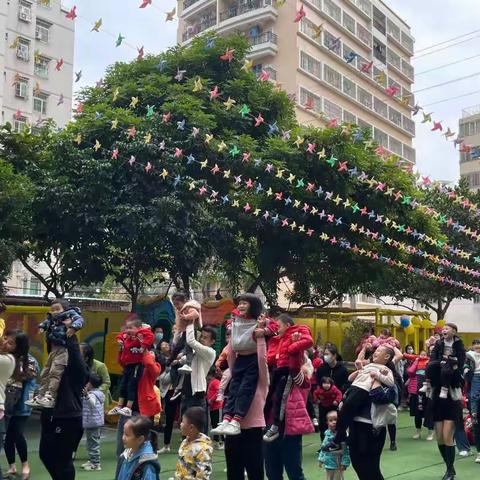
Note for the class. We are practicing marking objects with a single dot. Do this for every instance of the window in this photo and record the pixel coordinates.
(407, 41)
(25, 11)
(42, 30)
(379, 20)
(469, 128)
(395, 116)
(393, 59)
(332, 110)
(41, 66)
(380, 107)
(34, 286)
(306, 27)
(364, 97)
(332, 77)
(365, 6)
(379, 50)
(396, 146)
(19, 123)
(408, 125)
(349, 117)
(393, 30)
(380, 137)
(349, 87)
(408, 153)
(332, 43)
(363, 61)
(40, 102)
(257, 69)
(333, 10)
(348, 22)
(409, 94)
(364, 125)
(21, 88)
(380, 77)
(23, 49)
(364, 35)
(407, 69)
(308, 97)
(310, 65)
(45, 3)
(473, 179)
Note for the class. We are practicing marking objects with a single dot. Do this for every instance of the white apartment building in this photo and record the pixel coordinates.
(35, 35)
(469, 130)
(309, 58)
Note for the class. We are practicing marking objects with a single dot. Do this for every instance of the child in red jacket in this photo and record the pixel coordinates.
(134, 341)
(214, 406)
(328, 397)
(286, 355)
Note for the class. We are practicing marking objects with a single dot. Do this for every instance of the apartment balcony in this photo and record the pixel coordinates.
(193, 7)
(263, 45)
(197, 28)
(239, 16)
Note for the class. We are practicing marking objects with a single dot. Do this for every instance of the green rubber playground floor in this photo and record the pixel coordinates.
(414, 459)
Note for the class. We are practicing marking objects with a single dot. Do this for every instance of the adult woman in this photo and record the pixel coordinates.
(13, 358)
(333, 367)
(286, 451)
(100, 369)
(447, 411)
(244, 452)
(21, 385)
(61, 426)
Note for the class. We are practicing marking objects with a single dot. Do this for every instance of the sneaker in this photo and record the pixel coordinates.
(47, 401)
(393, 446)
(464, 453)
(443, 392)
(220, 446)
(86, 464)
(417, 436)
(232, 428)
(271, 435)
(430, 436)
(125, 411)
(315, 422)
(114, 411)
(32, 402)
(93, 467)
(185, 369)
(164, 449)
(219, 429)
(423, 389)
(477, 460)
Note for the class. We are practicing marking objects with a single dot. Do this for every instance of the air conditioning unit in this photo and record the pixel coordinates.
(25, 14)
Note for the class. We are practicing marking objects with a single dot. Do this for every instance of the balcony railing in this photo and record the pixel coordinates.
(195, 29)
(266, 37)
(240, 9)
(189, 3)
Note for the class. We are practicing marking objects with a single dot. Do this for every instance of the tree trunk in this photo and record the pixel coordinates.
(186, 283)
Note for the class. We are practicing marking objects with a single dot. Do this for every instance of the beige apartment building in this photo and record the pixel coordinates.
(469, 130)
(311, 61)
(35, 35)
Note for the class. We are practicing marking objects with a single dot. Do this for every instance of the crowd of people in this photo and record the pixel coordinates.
(268, 387)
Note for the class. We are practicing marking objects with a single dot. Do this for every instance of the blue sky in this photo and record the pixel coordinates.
(431, 21)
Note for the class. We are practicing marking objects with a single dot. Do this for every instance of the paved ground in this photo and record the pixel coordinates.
(414, 460)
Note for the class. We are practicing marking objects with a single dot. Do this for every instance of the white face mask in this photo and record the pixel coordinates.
(328, 358)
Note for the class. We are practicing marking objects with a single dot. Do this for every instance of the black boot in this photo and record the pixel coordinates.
(449, 461)
(441, 449)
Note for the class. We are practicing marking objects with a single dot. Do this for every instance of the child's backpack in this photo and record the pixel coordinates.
(138, 472)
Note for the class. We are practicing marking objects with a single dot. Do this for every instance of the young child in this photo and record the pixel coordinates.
(93, 420)
(328, 397)
(447, 357)
(139, 460)
(62, 322)
(287, 351)
(364, 380)
(195, 452)
(214, 406)
(335, 462)
(246, 319)
(134, 341)
(472, 372)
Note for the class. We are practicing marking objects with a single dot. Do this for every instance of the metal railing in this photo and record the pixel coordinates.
(266, 37)
(242, 8)
(195, 29)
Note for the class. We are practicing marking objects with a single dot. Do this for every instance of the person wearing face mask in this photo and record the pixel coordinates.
(158, 333)
(333, 368)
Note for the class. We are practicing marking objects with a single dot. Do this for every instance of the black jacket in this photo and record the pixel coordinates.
(338, 373)
(458, 352)
(74, 379)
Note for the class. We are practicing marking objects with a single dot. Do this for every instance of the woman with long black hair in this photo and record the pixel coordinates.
(20, 387)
